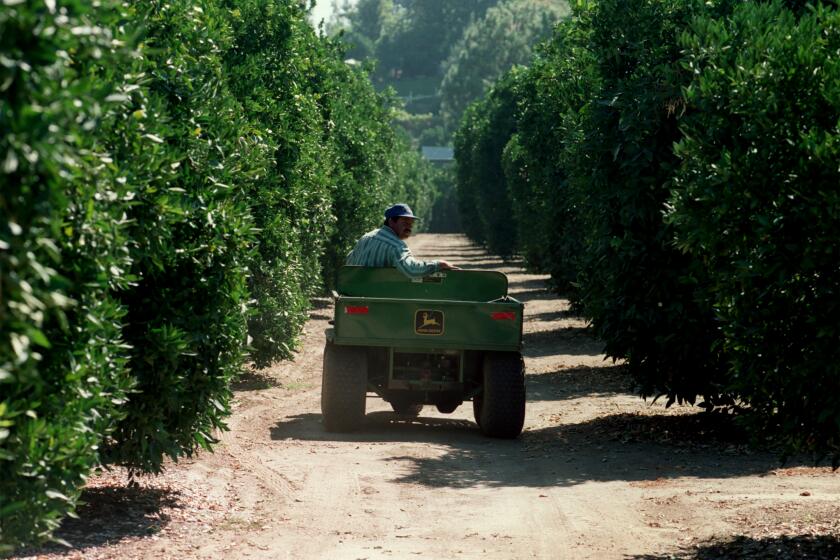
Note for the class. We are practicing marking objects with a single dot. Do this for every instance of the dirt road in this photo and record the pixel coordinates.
(598, 473)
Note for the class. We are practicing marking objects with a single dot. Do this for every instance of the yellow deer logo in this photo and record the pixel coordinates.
(428, 322)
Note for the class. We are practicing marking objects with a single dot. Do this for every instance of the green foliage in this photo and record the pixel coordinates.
(155, 198)
(366, 151)
(640, 292)
(483, 198)
(291, 201)
(490, 46)
(359, 46)
(756, 201)
(337, 162)
(419, 39)
(467, 170)
(710, 267)
(445, 216)
(411, 181)
(62, 361)
(551, 95)
(181, 149)
(587, 165)
(409, 41)
(369, 18)
(416, 125)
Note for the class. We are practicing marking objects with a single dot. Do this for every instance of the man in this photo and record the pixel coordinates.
(386, 246)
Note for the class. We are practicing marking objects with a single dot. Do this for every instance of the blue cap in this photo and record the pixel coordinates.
(400, 210)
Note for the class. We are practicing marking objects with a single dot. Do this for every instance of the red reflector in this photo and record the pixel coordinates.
(504, 315)
(356, 309)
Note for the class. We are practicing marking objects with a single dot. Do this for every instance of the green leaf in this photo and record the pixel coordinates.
(38, 338)
(56, 495)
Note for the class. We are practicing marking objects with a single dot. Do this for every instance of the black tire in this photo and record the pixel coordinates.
(343, 387)
(501, 406)
(406, 408)
(477, 402)
(447, 407)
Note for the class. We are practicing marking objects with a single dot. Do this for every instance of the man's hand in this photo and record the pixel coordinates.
(444, 265)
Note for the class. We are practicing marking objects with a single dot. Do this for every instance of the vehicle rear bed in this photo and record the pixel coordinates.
(456, 309)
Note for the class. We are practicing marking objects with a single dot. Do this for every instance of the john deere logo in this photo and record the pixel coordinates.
(427, 321)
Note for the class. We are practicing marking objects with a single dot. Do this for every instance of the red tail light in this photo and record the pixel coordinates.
(504, 315)
(356, 309)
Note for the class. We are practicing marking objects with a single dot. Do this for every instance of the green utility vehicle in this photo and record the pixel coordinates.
(451, 337)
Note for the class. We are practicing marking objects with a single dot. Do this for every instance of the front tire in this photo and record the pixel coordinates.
(500, 409)
(343, 387)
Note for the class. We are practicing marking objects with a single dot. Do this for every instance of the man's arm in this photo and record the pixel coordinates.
(414, 268)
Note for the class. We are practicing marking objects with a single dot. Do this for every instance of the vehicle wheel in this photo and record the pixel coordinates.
(406, 408)
(343, 387)
(447, 407)
(477, 402)
(502, 404)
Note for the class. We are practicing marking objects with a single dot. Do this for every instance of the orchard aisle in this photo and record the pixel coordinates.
(598, 473)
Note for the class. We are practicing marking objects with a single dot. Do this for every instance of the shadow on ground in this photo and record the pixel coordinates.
(526, 296)
(253, 380)
(578, 382)
(621, 447)
(549, 316)
(481, 264)
(110, 514)
(320, 308)
(571, 341)
(458, 257)
(320, 302)
(527, 285)
(456, 254)
(798, 547)
(624, 447)
(382, 426)
(321, 316)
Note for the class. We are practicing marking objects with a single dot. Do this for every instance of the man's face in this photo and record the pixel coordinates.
(402, 226)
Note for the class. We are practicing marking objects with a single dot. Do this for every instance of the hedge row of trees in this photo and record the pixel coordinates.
(673, 165)
(177, 180)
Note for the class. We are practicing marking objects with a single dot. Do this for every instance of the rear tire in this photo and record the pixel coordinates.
(500, 409)
(477, 402)
(343, 387)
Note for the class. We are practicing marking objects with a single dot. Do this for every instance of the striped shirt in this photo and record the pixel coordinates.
(382, 247)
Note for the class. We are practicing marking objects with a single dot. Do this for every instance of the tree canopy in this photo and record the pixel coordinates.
(492, 45)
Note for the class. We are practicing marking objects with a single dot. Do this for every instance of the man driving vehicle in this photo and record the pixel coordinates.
(386, 246)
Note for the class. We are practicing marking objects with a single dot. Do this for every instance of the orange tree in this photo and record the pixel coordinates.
(580, 146)
(552, 95)
(335, 162)
(757, 202)
(642, 294)
(483, 198)
(63, 380)
(271, 66)
(158, 193)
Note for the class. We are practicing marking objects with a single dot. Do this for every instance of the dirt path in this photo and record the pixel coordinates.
(598, 473)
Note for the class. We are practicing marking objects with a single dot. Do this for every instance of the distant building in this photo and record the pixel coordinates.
(440, 155)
